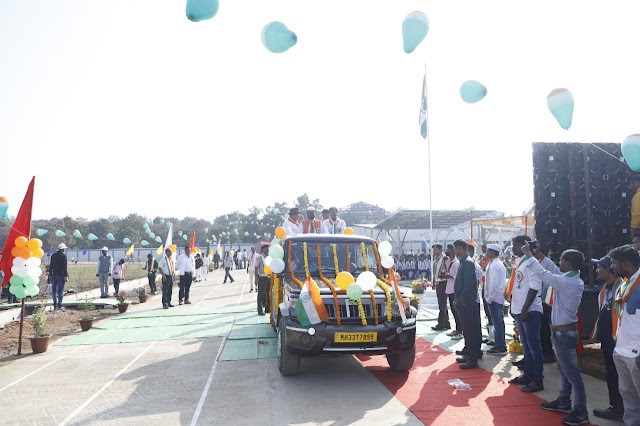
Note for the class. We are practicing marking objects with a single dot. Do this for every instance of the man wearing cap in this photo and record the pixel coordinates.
(291, 225)
(58, 274)
(168, 271)
(152, 270)
(605, 330)
(311, 225)
(263, 281)
(493, 294)
(567, 294)
(634, 185)
(105, 266)
(333, 225)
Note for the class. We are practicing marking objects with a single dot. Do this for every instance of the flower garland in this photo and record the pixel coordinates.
(335, 258)
(328, 283)
(384, 287)
(293, 276)
(361, 309)
(306, 260)
(348, 256)
(364, 256)
(377, 255)
(374, 307)
(271, 299)
(276, 292)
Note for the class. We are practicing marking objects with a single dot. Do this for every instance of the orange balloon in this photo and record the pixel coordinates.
(25, 252)
(348, 231)
(15, 252)
(344, 279)
(39, 253)
(34, 243)
(21, 241)
(280, 232)
(267, 270)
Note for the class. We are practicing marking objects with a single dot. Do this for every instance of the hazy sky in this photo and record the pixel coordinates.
(126, 106)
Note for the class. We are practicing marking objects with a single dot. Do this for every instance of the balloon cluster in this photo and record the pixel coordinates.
(4, 207)
(26, 267)
(355, 287)
(384, 249)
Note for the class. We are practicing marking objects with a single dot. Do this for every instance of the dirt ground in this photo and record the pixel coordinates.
(591, 361)
(59, 324)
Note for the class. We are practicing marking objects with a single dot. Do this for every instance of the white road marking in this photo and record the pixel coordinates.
(38, 370)
(103, 388)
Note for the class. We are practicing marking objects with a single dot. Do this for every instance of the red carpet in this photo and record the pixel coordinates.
(424, 390)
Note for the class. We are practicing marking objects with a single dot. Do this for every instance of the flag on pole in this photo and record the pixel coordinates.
(130, 251)
(21, 227)
(84, 251)
(310, 308)
(423, 108)
(399, 298)
(208, 249)
(168, 242)
(192, 243)
(219, 248)
(159, 251)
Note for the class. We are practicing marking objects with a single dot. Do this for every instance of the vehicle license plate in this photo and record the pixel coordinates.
(356, 337)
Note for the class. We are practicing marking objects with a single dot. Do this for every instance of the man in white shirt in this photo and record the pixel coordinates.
(240, 259)
(251, 270)
(626, 263)
(168, 271)
(333, 225)
(451, 266)
(495, 283)
(186, 264)
(291, 224)
(205, 268)
(526, 308)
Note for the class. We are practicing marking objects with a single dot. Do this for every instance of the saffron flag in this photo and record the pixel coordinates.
(130, 251)
(423, 108)
(21, 228)
(168, 242)
(159, 251)
(309, 307)
(192, 243)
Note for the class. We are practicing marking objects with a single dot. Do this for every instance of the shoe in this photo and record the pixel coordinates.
(608, 413)
(438, 327)
(491, 343)
(576, 419)
(224, 282)
(520, 380)
(187, 302)
(154, 292)
(461, 352)
(261, 313)
(453, 333)
(533, 387)
(170, 305)
(461, 360)
(485, 340)
(165, 307)
(497, 351)
(519, 363)
(179, 302)
(232, 282)
(555, 406)
(469, 365)
(457, 336)
(251, 291)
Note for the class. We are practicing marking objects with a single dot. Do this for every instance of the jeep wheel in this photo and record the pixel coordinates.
(402, 361)
(288, 363)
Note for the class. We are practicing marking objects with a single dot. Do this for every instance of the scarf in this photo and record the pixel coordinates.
(615, 308)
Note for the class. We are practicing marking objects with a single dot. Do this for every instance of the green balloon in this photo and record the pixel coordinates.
(275, 242)
(30, 280)
(276, 252)
(20, 292)
(354, 291)
(16, 280)
(33, 290)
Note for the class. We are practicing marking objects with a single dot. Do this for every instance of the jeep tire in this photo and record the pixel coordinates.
(288, 363)
(402, 361)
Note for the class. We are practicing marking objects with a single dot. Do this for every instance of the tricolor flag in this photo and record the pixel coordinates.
(423, 108)
(399, 298)
(309, 307)
(168, 242)
(547, 295)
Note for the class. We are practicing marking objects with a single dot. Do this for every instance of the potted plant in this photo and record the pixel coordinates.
(123, 305)
(86, 320)
(40, 341)
(142, 294)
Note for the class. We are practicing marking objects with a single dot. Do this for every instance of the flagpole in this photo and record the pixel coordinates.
(429, 166)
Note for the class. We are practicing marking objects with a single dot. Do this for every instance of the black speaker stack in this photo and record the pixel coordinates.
(582, 198)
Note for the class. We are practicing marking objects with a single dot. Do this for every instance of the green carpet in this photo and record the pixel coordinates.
(266, 347)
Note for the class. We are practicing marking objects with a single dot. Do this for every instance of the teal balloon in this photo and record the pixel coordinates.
(126, 241)
(16, 280)
(4, 207)
(276, 252)
(30, 280)
(184, 237)
(354, 291)
(206, 230)
(59, 233)
(146, 226)
(277, 38)
(152, 235)
(168, 225)
(41, 232)
(560, 103)
(110, 237)
(158, 239)
(201, 10)
(631, 151)
(145, 243)
(414, 29)
(161, 222)
(77, 234)
(472, 91)
(91, 237)
(275, 242)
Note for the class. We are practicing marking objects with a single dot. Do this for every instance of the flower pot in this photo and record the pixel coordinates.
(143, 298)
(86, 324)
(39, 344)
(122, 307)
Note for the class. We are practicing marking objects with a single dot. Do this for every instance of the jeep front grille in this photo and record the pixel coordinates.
(354, 312)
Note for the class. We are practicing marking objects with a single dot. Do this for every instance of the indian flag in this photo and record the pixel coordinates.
(547, 295)
(310, 308)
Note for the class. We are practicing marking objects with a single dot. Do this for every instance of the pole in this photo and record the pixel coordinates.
(429, 166)
(21, 323)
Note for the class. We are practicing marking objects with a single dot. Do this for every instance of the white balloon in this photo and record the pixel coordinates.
(268, 260)
(21, 271)
(33, 262)
(19, 261)
(34, 271)
(387, 262)
(366, 280)
(277, 266)
(384, 248)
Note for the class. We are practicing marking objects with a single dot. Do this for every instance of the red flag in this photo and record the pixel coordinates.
(21, 227)
(192, 243)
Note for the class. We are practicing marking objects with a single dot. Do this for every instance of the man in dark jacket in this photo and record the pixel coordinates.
(468, 306)
(58, 274)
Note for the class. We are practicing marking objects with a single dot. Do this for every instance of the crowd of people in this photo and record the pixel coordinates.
(544, 300)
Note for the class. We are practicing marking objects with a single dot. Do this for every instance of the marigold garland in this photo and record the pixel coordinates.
(293, 276)
(384, 288)
(272, 300)
(377, 255)
(329, 284)
(348, 257)
(306, 260)
(363, 318)
(335, 258)
(374, 307)
(364, 257)
(276, 292)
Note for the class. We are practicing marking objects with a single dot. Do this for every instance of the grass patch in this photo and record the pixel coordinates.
(82, 277)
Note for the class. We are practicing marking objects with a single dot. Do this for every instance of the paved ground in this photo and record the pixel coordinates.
(180, 381)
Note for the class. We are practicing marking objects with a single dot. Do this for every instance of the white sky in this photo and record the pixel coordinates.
(99, 98)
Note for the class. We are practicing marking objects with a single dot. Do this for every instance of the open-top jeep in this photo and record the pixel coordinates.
(345, 331)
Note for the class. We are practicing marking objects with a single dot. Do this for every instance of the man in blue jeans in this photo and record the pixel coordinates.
(494, 286)
(526, 308)
(58, 274)
(567, 290)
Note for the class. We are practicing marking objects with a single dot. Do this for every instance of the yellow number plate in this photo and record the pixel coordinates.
(356, 337)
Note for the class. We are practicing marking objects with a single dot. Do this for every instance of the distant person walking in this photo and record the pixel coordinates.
(168, 271)
(228, 261)
(105, 266)
(216, 261)
(251, 270)
(58, 275)
(117, 276)
(186, 264)
(205, 268)
(152, 271)
(199, 267)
